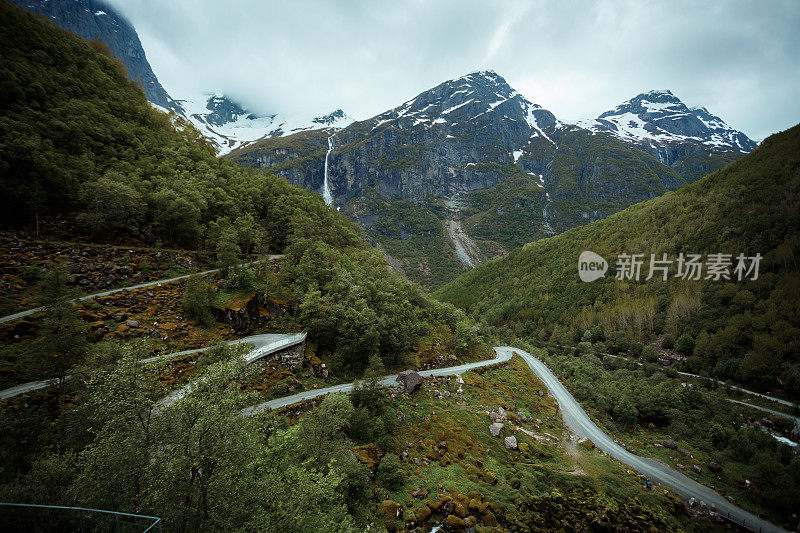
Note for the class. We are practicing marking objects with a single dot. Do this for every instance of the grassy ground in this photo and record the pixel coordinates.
(450, 456)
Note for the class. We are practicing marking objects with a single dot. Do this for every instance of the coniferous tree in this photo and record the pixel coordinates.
(62, 342)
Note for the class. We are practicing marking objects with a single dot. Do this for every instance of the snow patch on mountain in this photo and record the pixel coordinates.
(481, 95)
(229, 126)
(658, 118)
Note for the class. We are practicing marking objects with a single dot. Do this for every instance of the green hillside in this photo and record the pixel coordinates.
(80, 140)
(82, 149)
(748, 331)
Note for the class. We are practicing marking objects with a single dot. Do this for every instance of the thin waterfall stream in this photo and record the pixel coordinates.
(326, 186)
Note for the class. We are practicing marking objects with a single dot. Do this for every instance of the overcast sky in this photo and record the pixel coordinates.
(576, 58)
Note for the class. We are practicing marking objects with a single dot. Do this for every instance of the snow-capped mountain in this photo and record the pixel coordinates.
(475, 97)
(433, 145)
(229, 126)
(473, 149)
(660, 118)
(218, 117)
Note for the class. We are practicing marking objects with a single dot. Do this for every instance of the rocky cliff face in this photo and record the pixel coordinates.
(94, 19)
(448, 139)
(692, 141)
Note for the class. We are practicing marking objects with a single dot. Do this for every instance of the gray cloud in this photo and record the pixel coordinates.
(577, 58)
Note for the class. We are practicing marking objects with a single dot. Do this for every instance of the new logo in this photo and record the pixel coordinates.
(591, 266)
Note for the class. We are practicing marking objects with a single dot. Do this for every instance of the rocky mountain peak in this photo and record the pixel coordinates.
(477, 98)
(332, 119)
(222, 111)
(660, 117)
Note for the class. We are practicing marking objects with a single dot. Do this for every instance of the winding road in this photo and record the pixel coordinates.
(263, 345)
(500, 357)
(29, 312)
(576, 419)
(579, 423)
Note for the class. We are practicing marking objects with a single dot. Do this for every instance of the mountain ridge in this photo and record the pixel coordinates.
(433, 168)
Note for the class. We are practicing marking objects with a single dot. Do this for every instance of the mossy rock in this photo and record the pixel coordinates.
(437, 504)
(390, 509)
(459, 510)
(460, 498)
(369, 454)
(474, 505)
(454, 522)
(489, 477)
(422, 514)
(489, 519)
(475, 495)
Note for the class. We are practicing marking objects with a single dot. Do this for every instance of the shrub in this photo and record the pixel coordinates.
(668, 342)
(196, 300)
(111, 206)
(650, 354)
(241, 278)
(636, 349)
(584, 348)
(389, 474)
(617, 343)
(685, 344)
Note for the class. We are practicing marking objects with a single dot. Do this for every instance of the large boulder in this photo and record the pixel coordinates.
(410, 379)
(510, 443)
(370, 455)
(670, 444)
(454, 522)
(714, 467)
(496, 429)
(390, 509)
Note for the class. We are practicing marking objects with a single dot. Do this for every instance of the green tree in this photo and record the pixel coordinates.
(111, 206)
(176, 217)
(62, 342)
(53, 286)
(227, 252)
(685, 344)
(668, 342)
(122, 403)
(389, 472)
(465, 337)
(367, 391)
(197, 300)
(204, 454)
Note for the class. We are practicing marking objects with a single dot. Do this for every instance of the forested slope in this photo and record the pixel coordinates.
(79, 141)
(745, 330)
(79, 138)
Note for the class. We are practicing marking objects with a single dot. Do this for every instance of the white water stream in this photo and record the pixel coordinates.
(326, 186)
(548, 229)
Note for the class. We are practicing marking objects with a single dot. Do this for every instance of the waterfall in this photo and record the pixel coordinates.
(548, 229)
(326, 187)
